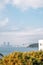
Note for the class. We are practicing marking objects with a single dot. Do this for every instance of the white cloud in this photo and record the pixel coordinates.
(3, 22)
(3, 3)
(23, 4)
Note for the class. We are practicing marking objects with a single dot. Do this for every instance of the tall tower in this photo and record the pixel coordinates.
(4, 43)
(8, 44)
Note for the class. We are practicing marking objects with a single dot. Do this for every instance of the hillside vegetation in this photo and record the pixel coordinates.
(33, 45)
(23, 58)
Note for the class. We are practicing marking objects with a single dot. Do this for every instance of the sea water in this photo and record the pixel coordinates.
(18, 49)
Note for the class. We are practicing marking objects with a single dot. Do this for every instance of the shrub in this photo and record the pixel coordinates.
(23, 58)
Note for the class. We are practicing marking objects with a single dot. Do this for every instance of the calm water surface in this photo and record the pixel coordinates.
(6, 51)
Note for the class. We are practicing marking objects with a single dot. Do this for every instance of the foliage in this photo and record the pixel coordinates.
(23, 58)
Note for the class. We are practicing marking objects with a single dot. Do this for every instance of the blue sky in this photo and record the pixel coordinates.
(21, 21)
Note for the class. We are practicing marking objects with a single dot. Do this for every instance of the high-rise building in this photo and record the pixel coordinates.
(8, 43)
(4, 43)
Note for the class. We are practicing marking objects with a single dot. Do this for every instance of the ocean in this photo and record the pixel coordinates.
(6, 51)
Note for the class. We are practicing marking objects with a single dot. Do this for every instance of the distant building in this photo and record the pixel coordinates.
(8, 43)
(40, 45)
(4, 43)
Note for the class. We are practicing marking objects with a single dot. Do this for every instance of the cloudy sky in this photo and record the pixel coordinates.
(21, 21)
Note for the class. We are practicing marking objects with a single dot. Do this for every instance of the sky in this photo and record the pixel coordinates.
(21, 21)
